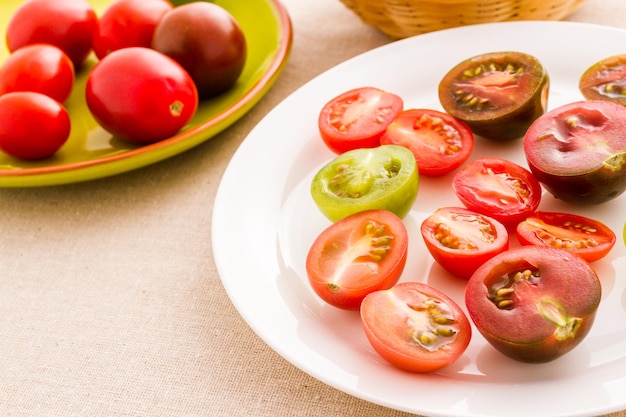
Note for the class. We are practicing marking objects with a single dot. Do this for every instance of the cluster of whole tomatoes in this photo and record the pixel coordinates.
(534, 302)
(155, 62)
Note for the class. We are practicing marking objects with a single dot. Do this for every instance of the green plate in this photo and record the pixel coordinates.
(92, 153)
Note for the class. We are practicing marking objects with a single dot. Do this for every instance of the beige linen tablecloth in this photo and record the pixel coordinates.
(110, 302)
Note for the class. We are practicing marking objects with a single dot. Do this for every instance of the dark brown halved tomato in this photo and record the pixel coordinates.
(534, 303)
(588, 238)
(605, 80)
(498, 94)
(578, 151)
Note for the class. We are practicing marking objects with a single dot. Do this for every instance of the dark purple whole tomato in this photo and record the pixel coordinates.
(207, 41)
(534, 303)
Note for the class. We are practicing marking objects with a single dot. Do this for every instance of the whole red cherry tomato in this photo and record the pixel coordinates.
(68, 24)
(207, 41)
(140, 95)
(33, 125)
(128, 23)
(41, 68)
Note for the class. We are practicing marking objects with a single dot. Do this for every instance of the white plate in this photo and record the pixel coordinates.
(264, 221)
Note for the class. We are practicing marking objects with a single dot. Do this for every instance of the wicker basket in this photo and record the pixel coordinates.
(404, 18)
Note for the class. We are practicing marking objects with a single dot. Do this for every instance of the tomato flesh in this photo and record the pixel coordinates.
(498, 188)
(358, 118)
(605, 80)
(534, 303)
(578, 151)
(498, 94)
(362, 253)
(385, 177)
(461, 240)
(588, 238)
(439, 142)
(415, 327)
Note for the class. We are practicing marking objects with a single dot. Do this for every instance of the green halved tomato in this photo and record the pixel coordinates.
(385, 178)
(498, 94)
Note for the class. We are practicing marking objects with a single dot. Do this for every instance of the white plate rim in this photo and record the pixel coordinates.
(248, 221)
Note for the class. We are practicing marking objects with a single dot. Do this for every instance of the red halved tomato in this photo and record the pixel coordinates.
(439, 142)
(415, 327)
(359, 254)
(461, 240)
(498, 188)
(587, 238)
(358, 118)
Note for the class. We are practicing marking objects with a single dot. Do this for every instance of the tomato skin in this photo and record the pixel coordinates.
(33, 126)
(534, 303)
(385, 177)
(498, 94)
(588, 238)
(140, 95)
(67, 24)
(358, 118)
(400, 322)
(361, 253)
(127, 23)
(604, 80)
(439, 142)
(461, 240)
(215, 66)
(41, 68)
(578, 151)
(498, 188)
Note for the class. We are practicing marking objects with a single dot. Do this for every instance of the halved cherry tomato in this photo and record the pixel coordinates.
(384, 177)
(461, 240)
(498, 94)
(358, 118)
(498, 188)
(415, 327)
(439, 142)
(534, 303)
(578, 151)
(362, 253)
(605, 80)
(41, 68)
(126, 23)
(67, 24)
(587, 238)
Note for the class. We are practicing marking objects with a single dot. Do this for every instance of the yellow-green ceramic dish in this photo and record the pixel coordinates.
(92, 153)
